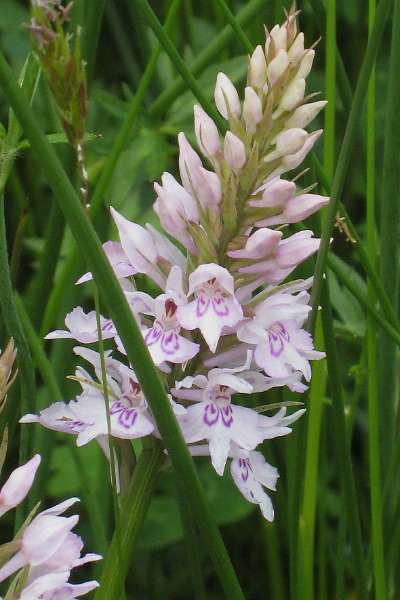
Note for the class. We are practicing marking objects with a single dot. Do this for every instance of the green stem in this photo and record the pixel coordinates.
(127, 127)
(305, 552)
(362, 253)
(111, 449)
(390, 242)
(179, 63)
(234, 23)
(373, 423)
(342, 445)
(93, 20)
(43, 281)
(128, 330)
(135, 506)
(24, 359)
(250, 10)
(344, 159)
(70, 268)
(192, 546)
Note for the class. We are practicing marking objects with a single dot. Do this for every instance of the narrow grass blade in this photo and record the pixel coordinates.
(306, 542)
(179, 63)
(345, 151)
(390, 241)
(373, 414)
(342, 445)
(205, 57)
(128, 330)
(234, 23)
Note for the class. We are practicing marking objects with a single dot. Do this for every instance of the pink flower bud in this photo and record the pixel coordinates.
(203, 184)
(306, 64)
(291, 140)
(44, 536)
(301, 207)
(296, 50)
(303, 115)
(226, 97)
(175, 207)
(296, 248)
(259, 244)
(234, 151)
(293, 95)
(296, 209)
(277, 193)
(279, 36)
(252, 109)
(18, 484)
(206, 132)
(292, 161)
(278, 66)
(258, 68)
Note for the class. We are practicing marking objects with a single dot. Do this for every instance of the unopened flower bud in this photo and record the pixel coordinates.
(196, 180)
(234, 151)
(226, 97)
(252, 109)
(279, 36)
(278, 66)
(306, 65)
(303, 115)
(18, 485)
(291, 140)
(292, 161)
(206, 132)
(293, 95)
(257, 68)
(296, 50)
(7, 359)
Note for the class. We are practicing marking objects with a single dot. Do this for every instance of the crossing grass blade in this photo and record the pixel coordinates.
(128, 330)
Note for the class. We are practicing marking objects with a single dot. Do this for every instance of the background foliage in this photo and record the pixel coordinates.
(272, 561)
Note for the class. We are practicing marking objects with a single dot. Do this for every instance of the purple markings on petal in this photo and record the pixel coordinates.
(116, 407)
(128, 417)
(276, 344)
(108, 326)
(277, 337)
(219, 305)
(170, 342)
(245, 466)
(212, 414)
(202, 305)
(226, 415)
(154, 334)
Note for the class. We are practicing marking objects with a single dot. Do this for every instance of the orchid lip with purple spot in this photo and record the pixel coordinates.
(277, 336)
(213, 413)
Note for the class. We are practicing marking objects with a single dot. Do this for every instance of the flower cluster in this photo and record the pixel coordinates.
(46, 550)
(224, 324)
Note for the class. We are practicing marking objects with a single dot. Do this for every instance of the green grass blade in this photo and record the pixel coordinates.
(69, 269)
(362, 253)
(134, 510)
(342, 445)
(389, 240)
(234, 23)
(179, 63)
(127, 327)
(373, 423)
(306, 542)
(205, 57)
(344, 159)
